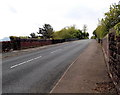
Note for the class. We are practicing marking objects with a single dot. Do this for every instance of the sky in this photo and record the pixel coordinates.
(22, 17)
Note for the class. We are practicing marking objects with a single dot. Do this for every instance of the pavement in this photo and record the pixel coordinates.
(87, 74)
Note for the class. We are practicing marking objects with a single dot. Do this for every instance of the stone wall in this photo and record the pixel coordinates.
(111, 47)
(114, 58)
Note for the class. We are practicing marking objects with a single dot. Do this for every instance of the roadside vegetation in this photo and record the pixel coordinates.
(111, 20)
(47, 32)
(70, 32)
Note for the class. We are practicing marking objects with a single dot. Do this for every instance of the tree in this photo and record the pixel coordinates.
(70, 33)
(84, 28)
(79, 34)
(94, 33)
(93, 37)
(112, 18)
(117, 28)
(33, 35)
(46, 31)
(85, 34)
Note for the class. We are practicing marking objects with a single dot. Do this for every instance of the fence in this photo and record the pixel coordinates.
(111, 47)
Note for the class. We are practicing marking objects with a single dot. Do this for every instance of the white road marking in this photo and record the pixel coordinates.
(25, 62)
(56, 51)
(15, 51)
(63, 75)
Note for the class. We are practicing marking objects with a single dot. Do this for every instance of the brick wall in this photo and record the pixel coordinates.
(18, 43)
(5, 46)
(30, 43)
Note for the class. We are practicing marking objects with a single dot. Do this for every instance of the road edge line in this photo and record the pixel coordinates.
(64, 74)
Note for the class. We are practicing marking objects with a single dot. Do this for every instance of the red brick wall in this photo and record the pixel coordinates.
(5, 46)
(28, 44)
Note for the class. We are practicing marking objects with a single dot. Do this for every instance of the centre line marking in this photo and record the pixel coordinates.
(24, 62)
(56, 50)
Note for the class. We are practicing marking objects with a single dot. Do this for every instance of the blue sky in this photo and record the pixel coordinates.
(22, 17)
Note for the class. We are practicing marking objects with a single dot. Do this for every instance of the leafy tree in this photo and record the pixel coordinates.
(46, 31)
(117, 28)
(23, 37)
(84, 28)
(13, 37)
(33, 35)
(70, 33)
(79, 34)
(112, 17)
(93, 37)
(85, 34)
(66, 33)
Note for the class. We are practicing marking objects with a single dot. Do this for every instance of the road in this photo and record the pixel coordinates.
(38, 71)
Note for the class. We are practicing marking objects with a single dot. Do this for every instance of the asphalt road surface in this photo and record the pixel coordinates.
(38, 71)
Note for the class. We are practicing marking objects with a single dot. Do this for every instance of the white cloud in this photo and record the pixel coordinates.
(21, 17)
